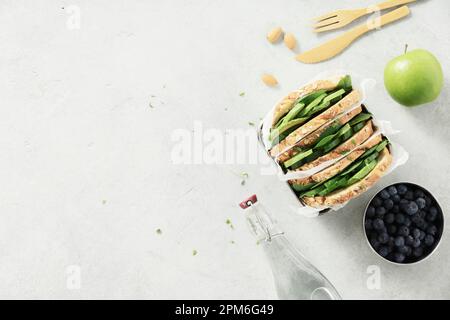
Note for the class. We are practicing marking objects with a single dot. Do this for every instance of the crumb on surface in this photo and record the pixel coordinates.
(244, 176)
(228, 222)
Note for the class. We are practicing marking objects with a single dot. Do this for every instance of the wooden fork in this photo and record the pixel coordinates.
(340, 18)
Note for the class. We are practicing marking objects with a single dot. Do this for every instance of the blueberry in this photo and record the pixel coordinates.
(388, 204)
(391, 247)
(399, 241)
(370, 212)
(395, 208)
(400, 218)
(422, 214)
(409, 195)
(428, 201)
(376, 202)
(378, 224)
(420, 223)
(403, 231)
(421, 203)
(391, 229)
(410, 208)
(409, 240)
(422, 235)
(396, 198)
(392, 190)
(415, 218)
(418, 252)
(380, 212)
(368, 224)
(419, 193)
(409, 252)
(389, 218)
(403, 202)
(416, 233)
(384, 194)
(433, 210)
(383, 251)
(402, 189)
(391, 242)
(403, 249)
(429, 240)
(383, 238)
(374, 243)
(399, 257)
(432, 230)
(431, 216)
(416, 243)
(407, 222)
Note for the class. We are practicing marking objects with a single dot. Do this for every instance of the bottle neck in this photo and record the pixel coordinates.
(261, 224)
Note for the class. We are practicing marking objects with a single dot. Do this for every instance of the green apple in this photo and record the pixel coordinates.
(414, 78)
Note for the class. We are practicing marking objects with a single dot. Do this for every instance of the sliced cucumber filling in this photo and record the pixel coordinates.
(285, 127)
(361, 174)
(360, 118)
(324, 105)
(333, 95)
(312, 96)
(302, 187)
(298, 157)
(330, 146)
(312, 105)
(293, 113)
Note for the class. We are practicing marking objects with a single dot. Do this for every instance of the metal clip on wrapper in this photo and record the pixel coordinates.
(295, 277)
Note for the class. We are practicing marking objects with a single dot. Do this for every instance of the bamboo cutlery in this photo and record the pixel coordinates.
(340, 18)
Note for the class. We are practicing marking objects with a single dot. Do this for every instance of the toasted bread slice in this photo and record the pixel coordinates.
(343, 195)
(315, 123)
(314, 136)
(287, 103)
(339, 166)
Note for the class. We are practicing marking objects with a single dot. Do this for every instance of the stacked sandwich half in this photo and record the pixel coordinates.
(324, 130)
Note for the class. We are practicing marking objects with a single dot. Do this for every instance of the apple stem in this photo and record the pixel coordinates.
(406, 48)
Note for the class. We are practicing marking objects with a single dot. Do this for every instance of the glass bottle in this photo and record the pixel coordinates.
(295, 277)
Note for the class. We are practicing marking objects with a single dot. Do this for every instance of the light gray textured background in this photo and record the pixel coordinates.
(85, 168)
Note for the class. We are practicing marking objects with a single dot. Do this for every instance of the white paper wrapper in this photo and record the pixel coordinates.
(364, 85)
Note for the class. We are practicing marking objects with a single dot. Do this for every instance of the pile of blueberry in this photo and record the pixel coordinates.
(403, 223)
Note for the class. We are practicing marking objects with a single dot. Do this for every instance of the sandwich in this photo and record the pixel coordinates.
(328, 142)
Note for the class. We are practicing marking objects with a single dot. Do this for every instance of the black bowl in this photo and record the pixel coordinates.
(410, 230)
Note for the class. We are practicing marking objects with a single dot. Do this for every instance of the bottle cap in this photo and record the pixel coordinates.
(248, 202)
